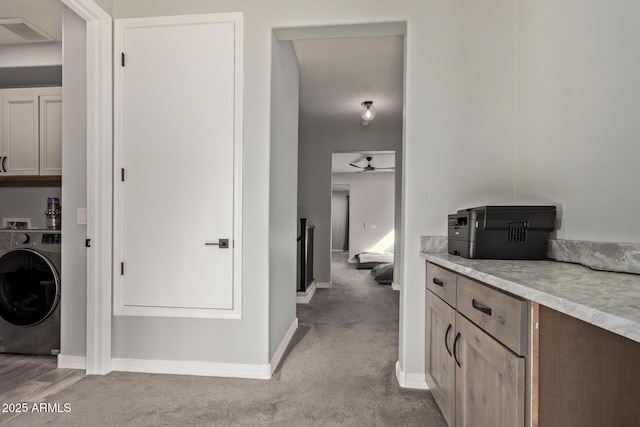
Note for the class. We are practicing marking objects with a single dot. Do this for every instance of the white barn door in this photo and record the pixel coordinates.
(177, 102)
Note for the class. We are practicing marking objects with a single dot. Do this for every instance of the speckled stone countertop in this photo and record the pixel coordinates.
(608, 300)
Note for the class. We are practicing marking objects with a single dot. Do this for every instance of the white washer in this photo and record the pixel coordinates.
(30, 291)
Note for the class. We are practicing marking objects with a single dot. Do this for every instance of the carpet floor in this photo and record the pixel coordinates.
(339, 370)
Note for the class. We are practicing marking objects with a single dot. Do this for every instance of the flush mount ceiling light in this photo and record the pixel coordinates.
(368, 112)
(25, 29)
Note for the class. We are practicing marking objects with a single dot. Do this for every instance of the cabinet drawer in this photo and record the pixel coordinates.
(501, 315)
(442, 282)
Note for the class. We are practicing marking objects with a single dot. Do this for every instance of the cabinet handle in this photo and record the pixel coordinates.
(455, 349)
(4, 165)
(446, 339)
(483, 308)
(438, 282)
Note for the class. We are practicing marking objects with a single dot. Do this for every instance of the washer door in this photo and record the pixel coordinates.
(29, 287)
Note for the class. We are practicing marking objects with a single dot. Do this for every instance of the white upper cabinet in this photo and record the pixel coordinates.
(31, 132)
(51, 135)
(20, 135)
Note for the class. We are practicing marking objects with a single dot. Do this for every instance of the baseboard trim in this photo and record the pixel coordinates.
(277, 356)
(205, 369)
(323, 285)
(395, 286)
(72, 362)
(406, 380)
(305, 297)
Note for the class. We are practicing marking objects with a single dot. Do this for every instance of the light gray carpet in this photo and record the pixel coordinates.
(339, 370)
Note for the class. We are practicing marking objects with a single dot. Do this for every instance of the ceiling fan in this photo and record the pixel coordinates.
(369, 168)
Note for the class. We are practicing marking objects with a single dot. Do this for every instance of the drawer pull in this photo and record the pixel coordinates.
(446, 339)
(438, 282)
(455, 349)
(480, 307)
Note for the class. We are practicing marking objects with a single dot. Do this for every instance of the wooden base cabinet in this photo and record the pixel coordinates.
(440, 365)
(490, 380)
(475, 378)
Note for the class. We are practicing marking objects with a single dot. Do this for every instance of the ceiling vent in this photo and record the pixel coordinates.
(25, 29)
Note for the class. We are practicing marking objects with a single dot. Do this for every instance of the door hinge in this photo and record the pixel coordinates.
(123, 59)
(122, 268)
(87, 243)
(122, 174)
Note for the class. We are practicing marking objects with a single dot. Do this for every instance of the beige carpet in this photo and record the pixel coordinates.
(338, 371)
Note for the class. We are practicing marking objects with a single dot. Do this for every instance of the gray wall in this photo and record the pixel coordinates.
(459, 121)
(282, 207)
(74, 186)
(372, 202)
(314, 191)
(27, 202)
(578, 139)
(338, 219)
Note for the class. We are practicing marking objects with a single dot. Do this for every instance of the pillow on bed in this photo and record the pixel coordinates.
(383, 273)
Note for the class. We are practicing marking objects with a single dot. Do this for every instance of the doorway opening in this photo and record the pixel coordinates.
(364, 211)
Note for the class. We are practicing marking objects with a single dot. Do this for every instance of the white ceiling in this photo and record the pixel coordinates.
(381, 159)
(44, 14)
(337, 75)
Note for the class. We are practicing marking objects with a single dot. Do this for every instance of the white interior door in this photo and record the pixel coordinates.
(177, 166)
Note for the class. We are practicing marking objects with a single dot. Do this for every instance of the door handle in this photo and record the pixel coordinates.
(4, 164)
(221, 243)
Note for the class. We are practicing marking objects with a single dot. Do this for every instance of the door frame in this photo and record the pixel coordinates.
(99, 179)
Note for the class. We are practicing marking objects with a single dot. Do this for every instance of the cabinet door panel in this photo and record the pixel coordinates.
(20, 134)
(51, 135)
(490, 381)
(439, 363)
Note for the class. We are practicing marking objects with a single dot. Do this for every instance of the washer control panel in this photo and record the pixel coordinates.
(39, 240)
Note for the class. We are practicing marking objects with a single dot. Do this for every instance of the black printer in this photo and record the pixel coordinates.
(501, 232)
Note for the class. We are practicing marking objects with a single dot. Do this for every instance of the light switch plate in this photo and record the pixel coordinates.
(82, 215)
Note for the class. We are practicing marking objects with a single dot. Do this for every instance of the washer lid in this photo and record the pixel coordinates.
(29, 287)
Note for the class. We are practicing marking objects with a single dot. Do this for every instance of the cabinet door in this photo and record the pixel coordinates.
(51, 135)
(20, 135)
(439, 362)
(490, 380)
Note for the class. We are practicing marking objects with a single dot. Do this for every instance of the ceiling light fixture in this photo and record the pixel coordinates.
(368, 112)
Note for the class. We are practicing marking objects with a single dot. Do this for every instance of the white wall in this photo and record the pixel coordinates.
(314, 190)
(283, 227)
(372, 202)
(26, 202)
(458, 149)
(74, 187)
(578, 140)
(339, 208)
(31, 55)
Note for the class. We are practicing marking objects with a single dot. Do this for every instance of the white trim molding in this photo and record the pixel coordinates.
(408, 380)
(305, 297)
(206, 369)
(277, 356)
(395, 286)
(99, 182)
(72, 362)
(324, 285)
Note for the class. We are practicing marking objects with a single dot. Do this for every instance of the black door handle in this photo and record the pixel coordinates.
(455, 349)
(4, 164)
(480, 307)
(438, 282)
(446, 336)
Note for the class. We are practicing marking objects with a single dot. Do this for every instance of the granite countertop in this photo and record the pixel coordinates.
(608, 300)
